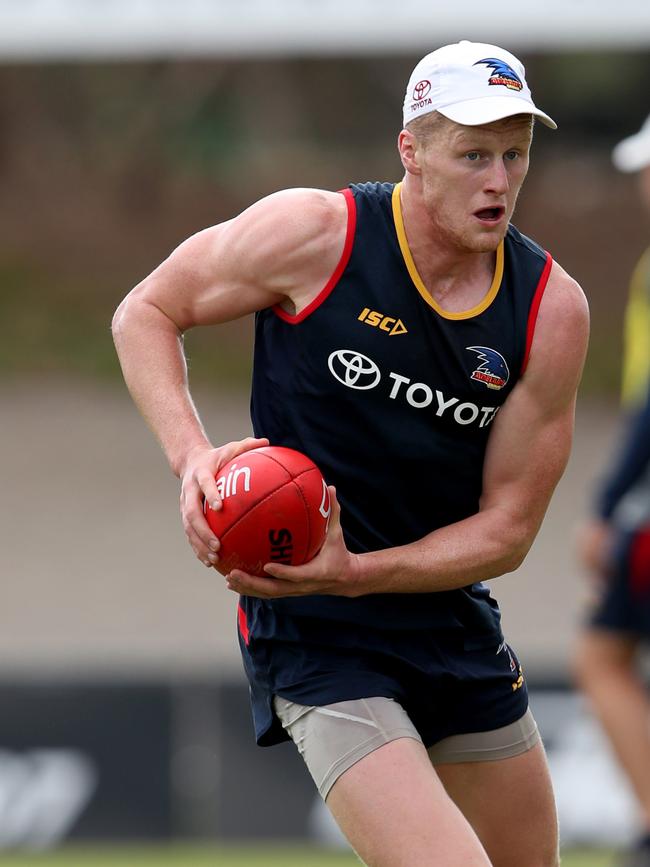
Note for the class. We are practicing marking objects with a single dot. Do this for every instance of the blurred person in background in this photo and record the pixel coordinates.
(614, 545)
(442, 422)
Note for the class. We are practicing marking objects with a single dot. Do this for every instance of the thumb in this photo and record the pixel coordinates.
(238, 447)
(334, 522)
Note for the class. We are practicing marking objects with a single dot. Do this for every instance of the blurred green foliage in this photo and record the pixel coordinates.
(106, 167)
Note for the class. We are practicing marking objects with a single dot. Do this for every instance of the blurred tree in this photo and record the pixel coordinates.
(106, 167)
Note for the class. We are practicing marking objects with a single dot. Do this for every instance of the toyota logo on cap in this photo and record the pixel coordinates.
(353, 369)
(421, 89)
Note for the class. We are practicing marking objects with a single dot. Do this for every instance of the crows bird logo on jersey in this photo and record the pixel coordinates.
(503, 73)
(492, 370)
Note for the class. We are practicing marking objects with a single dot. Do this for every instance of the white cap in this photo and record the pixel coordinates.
(633, 153)
(470, 83)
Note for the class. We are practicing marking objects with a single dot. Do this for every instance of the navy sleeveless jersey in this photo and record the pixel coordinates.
(393, 398)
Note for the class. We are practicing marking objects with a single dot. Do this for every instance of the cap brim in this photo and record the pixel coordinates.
(473, 112)
(633, 153)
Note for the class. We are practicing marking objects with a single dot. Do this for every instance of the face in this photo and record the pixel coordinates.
(470, 178)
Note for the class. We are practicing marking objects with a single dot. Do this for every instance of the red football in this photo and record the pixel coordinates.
(276, 508)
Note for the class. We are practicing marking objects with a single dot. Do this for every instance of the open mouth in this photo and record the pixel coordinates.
(490, 215)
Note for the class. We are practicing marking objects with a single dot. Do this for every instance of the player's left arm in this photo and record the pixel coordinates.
(531, 440)
(527, 452)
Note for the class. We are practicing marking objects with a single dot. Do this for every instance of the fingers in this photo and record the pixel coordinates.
(199, 485)
(209, 491)
(206, 473)
(264, 588)
(206, 555)
(238, 447)
(334, 523)
(203, 541)
(285, 573)
(318, 568)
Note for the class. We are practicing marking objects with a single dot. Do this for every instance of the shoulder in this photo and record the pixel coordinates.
(561, 335)
(290, 237)
(296, 214)
(564, 306)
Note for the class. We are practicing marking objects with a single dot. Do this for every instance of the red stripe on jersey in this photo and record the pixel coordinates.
(534, 309)
(243, 626)
(338, 271)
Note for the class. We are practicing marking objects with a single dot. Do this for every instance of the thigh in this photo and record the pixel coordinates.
(333, 737)
(395, 812)
(509, 803)
(370, 765)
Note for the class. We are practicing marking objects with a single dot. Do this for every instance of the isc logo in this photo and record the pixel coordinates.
(384, 323)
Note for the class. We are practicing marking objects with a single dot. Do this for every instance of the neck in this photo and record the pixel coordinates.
(455, 276)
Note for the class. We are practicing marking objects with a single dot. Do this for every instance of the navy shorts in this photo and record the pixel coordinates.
(470, 691)
(625, 603)
(445, 687)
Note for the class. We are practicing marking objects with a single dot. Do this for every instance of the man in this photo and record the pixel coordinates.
(615, 546)
(426, 356)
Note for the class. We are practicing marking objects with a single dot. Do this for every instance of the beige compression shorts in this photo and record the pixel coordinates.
(332, 738)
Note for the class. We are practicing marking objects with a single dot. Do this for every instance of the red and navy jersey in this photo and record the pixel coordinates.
(393, 398)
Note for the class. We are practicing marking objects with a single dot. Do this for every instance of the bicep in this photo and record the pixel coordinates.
(264, 256)
(531, 438)
(204, 281)
(527, 453)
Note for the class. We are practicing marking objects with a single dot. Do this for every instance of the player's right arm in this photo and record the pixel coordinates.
(282, 250)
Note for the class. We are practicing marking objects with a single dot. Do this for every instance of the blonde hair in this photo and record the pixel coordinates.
(425, 127)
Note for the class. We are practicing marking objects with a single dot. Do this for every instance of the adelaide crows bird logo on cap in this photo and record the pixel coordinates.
(503, 73)
(492, 370)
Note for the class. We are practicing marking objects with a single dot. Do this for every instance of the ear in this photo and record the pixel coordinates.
(409, 150)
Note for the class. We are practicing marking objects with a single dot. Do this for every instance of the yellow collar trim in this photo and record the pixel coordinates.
(417, 280)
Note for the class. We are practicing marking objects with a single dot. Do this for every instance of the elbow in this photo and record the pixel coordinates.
(123, 324)
(128, 312)
(132, 312)
(516, 549)
(116, 322)
(140, 311)
(513, 560)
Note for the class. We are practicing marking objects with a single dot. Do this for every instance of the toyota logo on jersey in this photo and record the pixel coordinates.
(353, 369)
(357, 371)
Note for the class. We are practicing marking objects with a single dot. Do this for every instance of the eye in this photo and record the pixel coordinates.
(473, 156)
(511, 155)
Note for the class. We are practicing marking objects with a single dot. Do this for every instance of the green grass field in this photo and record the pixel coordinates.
(224, 856)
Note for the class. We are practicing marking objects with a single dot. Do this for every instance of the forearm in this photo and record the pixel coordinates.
(478, 548)
(150, 349)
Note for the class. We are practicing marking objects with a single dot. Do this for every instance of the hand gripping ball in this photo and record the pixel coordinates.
(276, 509)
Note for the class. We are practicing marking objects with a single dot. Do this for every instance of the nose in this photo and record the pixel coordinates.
(497, 178)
